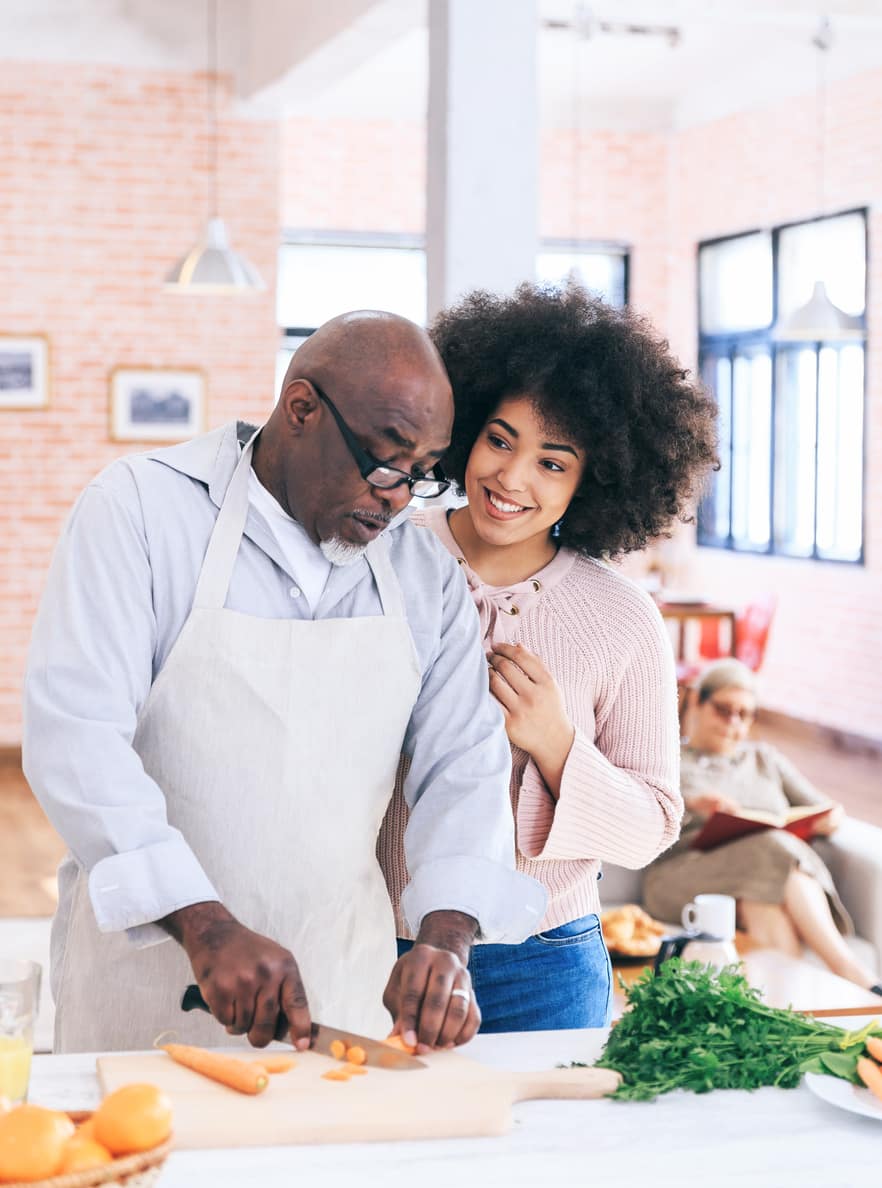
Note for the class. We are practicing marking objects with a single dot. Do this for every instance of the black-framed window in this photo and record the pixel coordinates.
(321, 274)
(791, 411)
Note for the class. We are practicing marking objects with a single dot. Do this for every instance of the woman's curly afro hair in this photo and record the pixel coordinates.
(603, 379)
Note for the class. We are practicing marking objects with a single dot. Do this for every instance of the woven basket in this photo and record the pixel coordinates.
(130, 1171)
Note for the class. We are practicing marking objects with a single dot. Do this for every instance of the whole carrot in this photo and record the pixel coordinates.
(242, 1075)
(874, 1047)
(871, 1075)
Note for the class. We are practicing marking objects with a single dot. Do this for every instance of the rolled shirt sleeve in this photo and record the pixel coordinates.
(89, 673)
(459, 842)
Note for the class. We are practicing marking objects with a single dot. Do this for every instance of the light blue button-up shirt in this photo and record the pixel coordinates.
(120, 589)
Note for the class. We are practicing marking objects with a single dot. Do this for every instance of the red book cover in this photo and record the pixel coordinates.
(721, 827)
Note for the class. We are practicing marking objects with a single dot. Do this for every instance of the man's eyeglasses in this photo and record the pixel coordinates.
(727, 712)
(385, 478)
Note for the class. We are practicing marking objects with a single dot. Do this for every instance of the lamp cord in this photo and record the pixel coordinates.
(212, 98)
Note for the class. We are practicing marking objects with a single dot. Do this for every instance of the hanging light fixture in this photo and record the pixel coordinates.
(819, 320)
(211, 266)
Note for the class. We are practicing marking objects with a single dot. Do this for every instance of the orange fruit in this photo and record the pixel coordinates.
(32, 1142)
(83, 1153)
(133, 1118)
(86, 1129)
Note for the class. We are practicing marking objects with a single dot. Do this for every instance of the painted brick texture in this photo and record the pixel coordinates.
(104, 183)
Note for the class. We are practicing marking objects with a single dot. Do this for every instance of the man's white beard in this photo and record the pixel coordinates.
(341, 552)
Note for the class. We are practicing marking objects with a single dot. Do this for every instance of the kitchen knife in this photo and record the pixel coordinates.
(379, 1055)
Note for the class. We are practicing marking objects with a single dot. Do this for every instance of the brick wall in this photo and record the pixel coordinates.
(103, 185)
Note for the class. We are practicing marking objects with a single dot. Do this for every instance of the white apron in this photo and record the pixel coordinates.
(275, 742)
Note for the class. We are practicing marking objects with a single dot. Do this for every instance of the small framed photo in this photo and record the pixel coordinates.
(155, 404)
(24, 371)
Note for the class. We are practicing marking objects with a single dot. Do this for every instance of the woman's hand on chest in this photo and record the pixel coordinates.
(536, 718)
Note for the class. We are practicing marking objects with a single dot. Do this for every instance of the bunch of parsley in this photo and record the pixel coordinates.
(689, 1027)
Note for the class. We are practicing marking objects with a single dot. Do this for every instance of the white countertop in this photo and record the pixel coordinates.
(772, 1138)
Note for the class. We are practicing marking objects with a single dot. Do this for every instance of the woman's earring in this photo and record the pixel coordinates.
(555, 531)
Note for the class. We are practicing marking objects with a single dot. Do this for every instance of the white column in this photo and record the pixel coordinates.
(483, 150)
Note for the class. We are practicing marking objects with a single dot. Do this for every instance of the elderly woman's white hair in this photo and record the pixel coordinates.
(724, 674)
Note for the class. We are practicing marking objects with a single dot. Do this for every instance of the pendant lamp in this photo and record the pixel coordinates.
(211, 266)
(819, 320)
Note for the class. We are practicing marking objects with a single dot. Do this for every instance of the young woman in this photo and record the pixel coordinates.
(577, 438)
(784, 892)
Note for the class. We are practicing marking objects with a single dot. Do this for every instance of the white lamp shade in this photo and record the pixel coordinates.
(819, 320)
(213, 267)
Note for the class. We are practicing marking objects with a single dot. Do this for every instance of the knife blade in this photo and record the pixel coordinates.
(378, 1054)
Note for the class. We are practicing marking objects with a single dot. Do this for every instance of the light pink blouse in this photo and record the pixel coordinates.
(603, 640)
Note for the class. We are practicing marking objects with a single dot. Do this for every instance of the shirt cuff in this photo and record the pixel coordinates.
(507, 905)
(132, 890)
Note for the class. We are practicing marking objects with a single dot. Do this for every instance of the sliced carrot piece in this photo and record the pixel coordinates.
(395, 1041)
(335, 1074)
(355, 1070)
(356, 1055)
(276, 1062)
(338, 1049)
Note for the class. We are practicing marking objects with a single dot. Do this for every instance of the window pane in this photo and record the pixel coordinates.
(795, 452)
(735, 279)
(830, 250)
(840, 452)
(601, 272)
(751, 439)
(320, 281)
(714, 510)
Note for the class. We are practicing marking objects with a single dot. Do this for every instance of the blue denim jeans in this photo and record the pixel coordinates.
(552, 981)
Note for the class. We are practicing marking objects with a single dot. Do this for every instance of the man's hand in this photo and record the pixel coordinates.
(706, 803)
(830, 821)
(251, 984)
(429, 993)
(536, 719)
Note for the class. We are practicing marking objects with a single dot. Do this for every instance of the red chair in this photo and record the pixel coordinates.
(752, 626)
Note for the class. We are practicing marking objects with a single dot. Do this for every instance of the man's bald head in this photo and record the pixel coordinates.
(385, 378)
(358, 354)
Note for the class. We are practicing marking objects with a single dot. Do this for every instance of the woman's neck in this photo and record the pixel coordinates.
(499, 565)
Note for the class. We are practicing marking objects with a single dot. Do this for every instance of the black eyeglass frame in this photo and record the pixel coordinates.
(369, 467)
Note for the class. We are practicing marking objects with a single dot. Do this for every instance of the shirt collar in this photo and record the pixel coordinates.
(210, 458)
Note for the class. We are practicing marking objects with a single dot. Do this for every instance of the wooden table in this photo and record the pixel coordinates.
(786, 1138)
(683, 612)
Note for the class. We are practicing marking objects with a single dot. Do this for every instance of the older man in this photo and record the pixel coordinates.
(236, 642)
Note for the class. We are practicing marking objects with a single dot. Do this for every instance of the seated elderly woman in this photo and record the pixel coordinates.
(784, 892)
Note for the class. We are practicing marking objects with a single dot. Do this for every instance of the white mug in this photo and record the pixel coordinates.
(714, 914)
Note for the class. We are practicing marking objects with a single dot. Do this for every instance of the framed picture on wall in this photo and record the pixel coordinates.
(24, 371)
(156, 404)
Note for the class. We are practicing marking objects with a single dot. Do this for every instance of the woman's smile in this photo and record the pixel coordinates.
(502, 507)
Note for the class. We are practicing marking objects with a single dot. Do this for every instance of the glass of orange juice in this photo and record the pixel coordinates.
(19, 1001)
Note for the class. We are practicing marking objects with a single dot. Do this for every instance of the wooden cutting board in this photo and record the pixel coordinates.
(452, 1097)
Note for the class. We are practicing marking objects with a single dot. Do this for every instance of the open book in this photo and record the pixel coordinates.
(725, 827)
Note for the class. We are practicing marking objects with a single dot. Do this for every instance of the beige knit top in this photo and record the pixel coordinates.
(603, 640)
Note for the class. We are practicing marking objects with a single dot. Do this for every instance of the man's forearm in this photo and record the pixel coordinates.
(454, 931)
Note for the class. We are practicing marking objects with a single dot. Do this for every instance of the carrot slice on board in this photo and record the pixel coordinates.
(335, 1074)
(338, 1049)
(356, 1055)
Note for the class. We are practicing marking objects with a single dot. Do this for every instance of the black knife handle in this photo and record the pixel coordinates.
(193, 1000)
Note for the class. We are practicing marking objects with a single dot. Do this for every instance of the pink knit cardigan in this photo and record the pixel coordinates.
(603, 640)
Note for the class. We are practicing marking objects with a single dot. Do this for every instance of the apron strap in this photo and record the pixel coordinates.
(391, 598)
(226, 536)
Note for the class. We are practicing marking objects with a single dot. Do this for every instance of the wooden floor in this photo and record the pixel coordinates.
(30, 849)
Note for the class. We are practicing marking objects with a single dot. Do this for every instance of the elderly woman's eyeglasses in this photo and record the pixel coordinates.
(727, 712)
(385, 478)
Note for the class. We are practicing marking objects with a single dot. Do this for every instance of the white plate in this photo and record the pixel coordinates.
(845, 1095)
